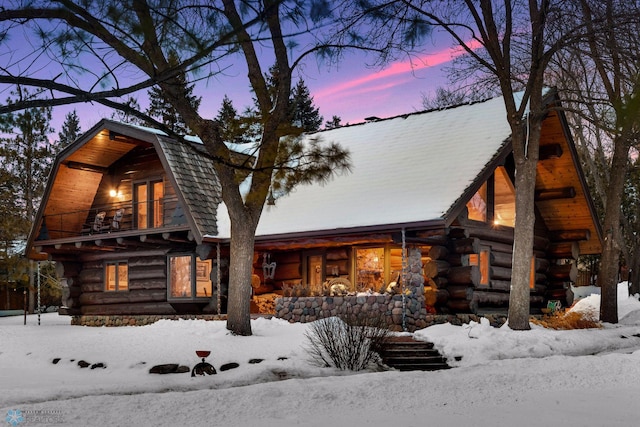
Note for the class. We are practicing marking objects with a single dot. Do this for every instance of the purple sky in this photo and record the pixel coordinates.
(351, 91)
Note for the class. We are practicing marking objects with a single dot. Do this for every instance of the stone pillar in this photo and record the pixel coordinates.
(415, 311)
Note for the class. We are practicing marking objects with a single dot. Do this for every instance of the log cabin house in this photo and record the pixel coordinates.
(136, 224)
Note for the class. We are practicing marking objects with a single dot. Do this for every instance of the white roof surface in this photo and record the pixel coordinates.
(404, 169)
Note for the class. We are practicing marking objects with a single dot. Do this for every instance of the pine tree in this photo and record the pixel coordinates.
(303, 113)
(70, 130)
(126, 116)
(162, 110)
(26, 153)
(229, 120)
(334, 123)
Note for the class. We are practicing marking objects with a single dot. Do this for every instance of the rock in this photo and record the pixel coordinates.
(83, 364)
(228, 366)
(254, 361)
(167, 368)
(98, 365)
(55, 361)
(282, 358)
(182, 369)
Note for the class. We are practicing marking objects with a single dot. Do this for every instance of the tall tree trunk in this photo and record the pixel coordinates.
(609, 261)
(240, 271)
(519, 296)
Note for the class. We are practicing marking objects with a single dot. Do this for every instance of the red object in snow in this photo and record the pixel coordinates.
(203, 353)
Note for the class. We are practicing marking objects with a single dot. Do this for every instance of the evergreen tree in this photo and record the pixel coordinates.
(26, 156)
(70, 130)
(26, 153)
(161, 109)
(126, 116)
(231, 125)
(303, 113)
(334, 123)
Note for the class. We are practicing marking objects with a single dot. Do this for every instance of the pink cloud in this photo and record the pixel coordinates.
(397, 68)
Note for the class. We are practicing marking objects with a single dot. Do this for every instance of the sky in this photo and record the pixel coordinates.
(352, 90)
(575, 378)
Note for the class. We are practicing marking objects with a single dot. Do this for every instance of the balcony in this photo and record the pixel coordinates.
(118, 221)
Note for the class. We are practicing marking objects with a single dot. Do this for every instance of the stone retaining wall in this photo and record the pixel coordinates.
(138, 320)
(387, 306)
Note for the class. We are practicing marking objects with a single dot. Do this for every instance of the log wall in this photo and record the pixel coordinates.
(452, 271)
(146, 293)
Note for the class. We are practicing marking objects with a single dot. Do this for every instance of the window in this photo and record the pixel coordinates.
(148, 204)
(116, 276)
(189, 277)
(504, 199)
(370, 269)
(495, 201)
(532, 273)
(482, 261)
(477, 206)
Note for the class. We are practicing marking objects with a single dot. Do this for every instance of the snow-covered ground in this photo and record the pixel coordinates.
(505, 377)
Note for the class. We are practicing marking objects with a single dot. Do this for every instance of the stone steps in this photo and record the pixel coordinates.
(407, 354)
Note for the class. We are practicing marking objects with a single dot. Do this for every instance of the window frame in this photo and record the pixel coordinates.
(386, 263)
(482, 260)
(153, 206)
(193, 278)
(117, 265)
(490, 189)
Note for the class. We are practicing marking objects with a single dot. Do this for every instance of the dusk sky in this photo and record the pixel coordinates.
(351, 91)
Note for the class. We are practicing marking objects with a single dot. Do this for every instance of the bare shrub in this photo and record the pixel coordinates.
(348, 342)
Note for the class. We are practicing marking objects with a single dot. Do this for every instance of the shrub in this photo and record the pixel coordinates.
(349, 342)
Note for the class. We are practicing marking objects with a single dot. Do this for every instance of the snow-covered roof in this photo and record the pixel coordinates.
(405, 169)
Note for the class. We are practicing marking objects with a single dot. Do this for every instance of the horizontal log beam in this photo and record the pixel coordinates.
(570, 235)
(462, 306)
(564, 272)
(460, 292)
(564, 250)
(550, 151)
(128, 309)
(465, 275)
(555, 194)
(126, 297)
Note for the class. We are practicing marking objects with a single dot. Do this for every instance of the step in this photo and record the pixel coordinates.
(407, 354)
(421, 366)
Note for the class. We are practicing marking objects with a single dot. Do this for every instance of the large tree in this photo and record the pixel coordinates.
(106, 51)
(600, 77)
(26, 154)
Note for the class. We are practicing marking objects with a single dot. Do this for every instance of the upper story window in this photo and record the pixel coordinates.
(147, 204)
(495, 201)
(116, 276)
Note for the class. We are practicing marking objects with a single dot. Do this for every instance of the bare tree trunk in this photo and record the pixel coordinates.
(524, 231)
(240, 270)
(635, 275)
(608, 271)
